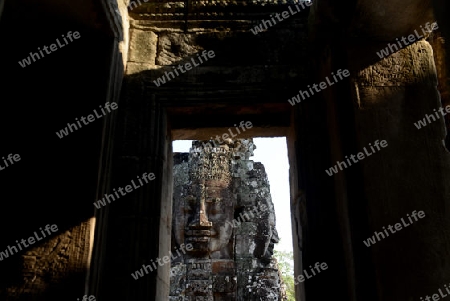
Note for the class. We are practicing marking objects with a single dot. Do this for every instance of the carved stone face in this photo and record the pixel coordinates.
(207, 213)
(223, 209)
(202, 213)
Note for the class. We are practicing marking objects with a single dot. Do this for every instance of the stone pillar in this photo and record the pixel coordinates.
(410, 174)
(317, 221)
(2, 5)
(381, 100)
(441, 51)
(100, 220)
(139, 223)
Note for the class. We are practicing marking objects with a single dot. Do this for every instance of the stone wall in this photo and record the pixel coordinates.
(163, 36)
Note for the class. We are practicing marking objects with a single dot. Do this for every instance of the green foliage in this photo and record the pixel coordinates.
(286, 266)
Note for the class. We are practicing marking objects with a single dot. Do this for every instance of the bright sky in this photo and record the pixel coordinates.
(272, 153)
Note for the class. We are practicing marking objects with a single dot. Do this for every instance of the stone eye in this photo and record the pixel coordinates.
(214, 200)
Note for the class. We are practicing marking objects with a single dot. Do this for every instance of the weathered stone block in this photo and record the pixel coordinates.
(178, 275)
(203, 298)
(247, 264)
(143, 46)
(245, 246)
(225, 283)
(225, 297)
(246, 229)
(247, 199)
(175, 47)
(203, 287)
(222, 265)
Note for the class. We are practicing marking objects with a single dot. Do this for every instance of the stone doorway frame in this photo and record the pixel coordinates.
(184, 131)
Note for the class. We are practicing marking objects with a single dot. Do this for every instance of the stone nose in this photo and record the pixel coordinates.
(200, 218)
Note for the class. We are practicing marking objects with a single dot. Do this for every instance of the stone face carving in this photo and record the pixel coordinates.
(222, 206)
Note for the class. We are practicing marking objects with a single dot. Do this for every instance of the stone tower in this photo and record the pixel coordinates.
(223, 212)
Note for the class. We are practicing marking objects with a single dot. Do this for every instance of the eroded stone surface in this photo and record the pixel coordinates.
(222, 206)
(143, 47)
(48, 263)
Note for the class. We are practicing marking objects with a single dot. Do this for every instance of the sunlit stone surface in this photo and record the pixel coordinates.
(222, 206)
